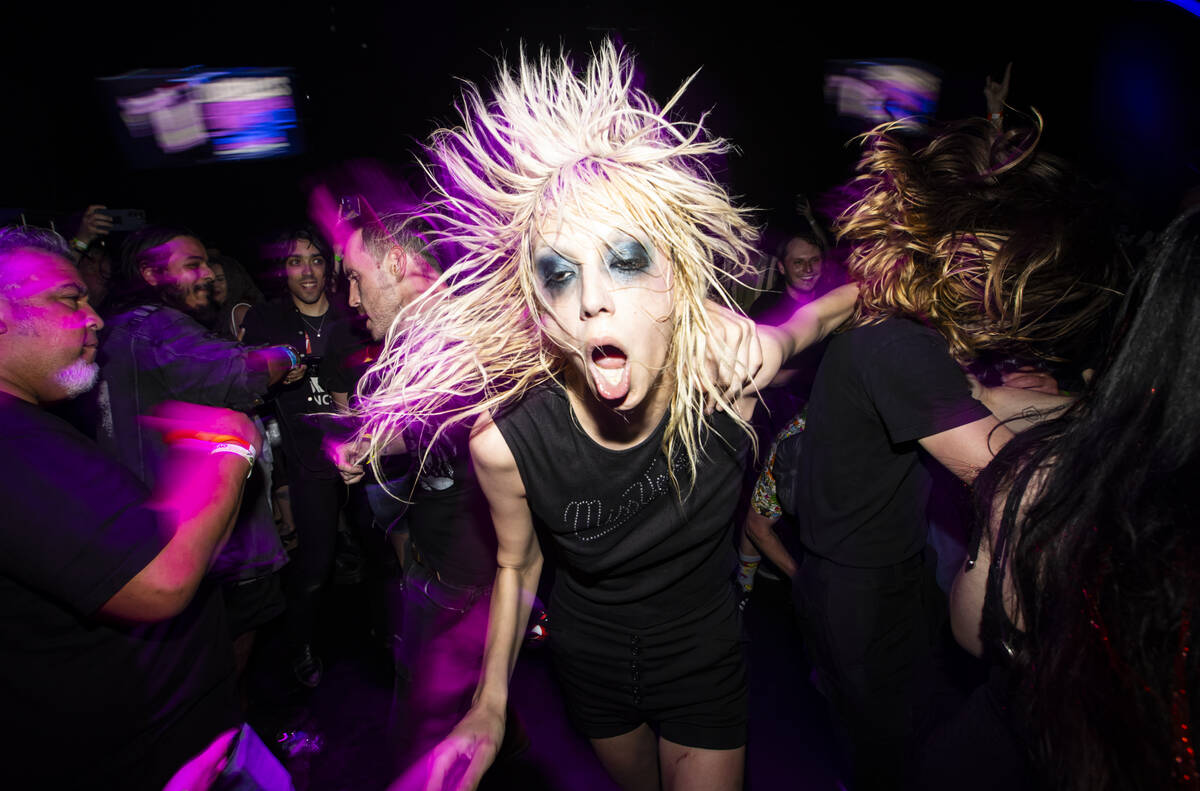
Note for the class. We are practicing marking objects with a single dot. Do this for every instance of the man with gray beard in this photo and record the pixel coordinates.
(107, 626)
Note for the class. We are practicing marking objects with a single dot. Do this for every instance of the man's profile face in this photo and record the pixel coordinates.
(186, 281)
(304, 268)
(801, 265)
(47, 328)
(376, 291)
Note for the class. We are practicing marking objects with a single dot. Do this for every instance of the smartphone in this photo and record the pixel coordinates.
(127, 219)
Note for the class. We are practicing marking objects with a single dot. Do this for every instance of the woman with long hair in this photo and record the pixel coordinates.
(1086, 582)
(579, 334)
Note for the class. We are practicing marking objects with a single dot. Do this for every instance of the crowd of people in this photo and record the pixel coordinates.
(541, 367)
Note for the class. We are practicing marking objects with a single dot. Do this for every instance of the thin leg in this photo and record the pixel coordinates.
(697, 769)
(631, 758)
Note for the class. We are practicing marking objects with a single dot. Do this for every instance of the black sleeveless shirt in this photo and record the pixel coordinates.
(629, 550)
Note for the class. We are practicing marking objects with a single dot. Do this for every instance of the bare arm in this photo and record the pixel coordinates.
(277, 362)
(197, 498)
(808, 325)
(761, 530)
(967, 449)
(239, 317)
(1019, 408)
(519, 560)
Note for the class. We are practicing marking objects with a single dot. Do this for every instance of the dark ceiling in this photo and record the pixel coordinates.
(1117, 84)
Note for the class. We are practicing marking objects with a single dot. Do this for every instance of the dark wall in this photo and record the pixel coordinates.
(1117, 86)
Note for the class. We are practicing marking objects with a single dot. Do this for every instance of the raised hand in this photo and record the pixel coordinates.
(996, 93)
(95, 223)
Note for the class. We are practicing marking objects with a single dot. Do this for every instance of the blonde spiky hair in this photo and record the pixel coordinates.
(550, 138)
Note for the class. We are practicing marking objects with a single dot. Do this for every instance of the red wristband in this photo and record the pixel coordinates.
(205, 436)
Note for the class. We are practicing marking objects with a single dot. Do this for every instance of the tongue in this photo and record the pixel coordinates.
(611, 376)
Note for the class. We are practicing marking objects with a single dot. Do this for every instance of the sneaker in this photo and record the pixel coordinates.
(307, 668)
(293, 743)
(539, 629)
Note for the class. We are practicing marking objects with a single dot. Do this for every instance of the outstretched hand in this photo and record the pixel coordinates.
(459, 761)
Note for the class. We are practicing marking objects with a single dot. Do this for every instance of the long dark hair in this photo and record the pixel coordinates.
(1097, 521)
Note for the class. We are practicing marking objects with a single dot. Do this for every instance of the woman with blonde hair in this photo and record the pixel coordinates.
(578, 334)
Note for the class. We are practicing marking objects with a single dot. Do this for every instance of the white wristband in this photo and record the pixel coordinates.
(237, 450)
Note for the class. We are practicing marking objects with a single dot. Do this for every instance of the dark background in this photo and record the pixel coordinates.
(1118, 84)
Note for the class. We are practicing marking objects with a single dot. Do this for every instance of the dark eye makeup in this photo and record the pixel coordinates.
(554, 270)
(628, 257)
(625, 259)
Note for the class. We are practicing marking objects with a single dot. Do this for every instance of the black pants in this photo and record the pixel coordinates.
(869, 632)
(443, 637)
(315, 506)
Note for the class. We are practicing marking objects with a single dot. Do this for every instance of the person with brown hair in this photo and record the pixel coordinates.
(974, 241)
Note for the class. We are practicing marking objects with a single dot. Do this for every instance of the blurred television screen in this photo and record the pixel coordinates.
(198, 115)
(869, 92)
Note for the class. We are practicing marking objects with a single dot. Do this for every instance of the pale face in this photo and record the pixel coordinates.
(48, 330)
(801, 265)
(187, 277)
(610, 306)
(305, 271)
(378, 290)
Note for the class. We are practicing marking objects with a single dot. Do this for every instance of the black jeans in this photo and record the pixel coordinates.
(315, 506)
(869, 633)
(443, 634)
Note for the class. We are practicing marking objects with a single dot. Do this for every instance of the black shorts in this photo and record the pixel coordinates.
(686, 678)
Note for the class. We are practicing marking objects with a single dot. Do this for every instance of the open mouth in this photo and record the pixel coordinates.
(609, 367)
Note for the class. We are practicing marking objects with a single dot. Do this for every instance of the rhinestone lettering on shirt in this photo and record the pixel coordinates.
(589, 520)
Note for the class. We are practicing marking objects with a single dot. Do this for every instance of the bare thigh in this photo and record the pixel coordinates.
(631, 759)
(697, 769)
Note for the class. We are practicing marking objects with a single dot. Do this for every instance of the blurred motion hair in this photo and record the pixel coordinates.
(551, 137)
(995, 243)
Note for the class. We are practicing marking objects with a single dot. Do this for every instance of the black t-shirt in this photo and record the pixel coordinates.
(83, 697)
(879, 390)
(449, 520)
(628, 547)
(330, 336)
